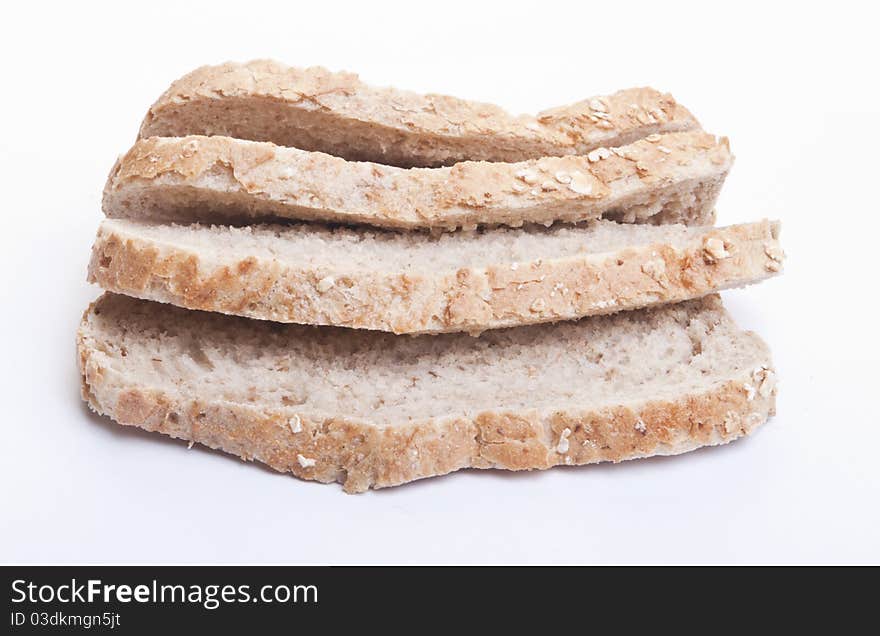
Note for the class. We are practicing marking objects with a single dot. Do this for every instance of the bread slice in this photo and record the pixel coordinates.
(315, 109)
(416, 282)
(372, 410)
(662, 179)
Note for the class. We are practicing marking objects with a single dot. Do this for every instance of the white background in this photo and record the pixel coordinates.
(793, 86)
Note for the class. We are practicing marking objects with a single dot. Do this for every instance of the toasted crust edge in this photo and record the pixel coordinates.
(362, 456)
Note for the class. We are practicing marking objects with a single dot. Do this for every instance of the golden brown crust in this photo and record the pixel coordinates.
(666, 178)
(315, 109)
(467, 299)
(362, 456)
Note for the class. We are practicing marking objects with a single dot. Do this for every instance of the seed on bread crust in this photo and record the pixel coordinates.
(715, 249)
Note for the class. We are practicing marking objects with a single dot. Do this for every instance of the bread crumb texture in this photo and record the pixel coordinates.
(218, 179)
(372, 410)
(418, 283)
(315, 109)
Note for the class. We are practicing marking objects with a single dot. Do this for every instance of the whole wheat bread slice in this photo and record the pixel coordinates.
(661, 179)
(315, 109)
(371, 409)
(416, 282)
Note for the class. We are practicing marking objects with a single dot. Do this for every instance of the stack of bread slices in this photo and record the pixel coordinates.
(372, 286)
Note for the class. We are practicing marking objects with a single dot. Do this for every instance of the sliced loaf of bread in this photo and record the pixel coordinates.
(315, 109)
(671, 178)
(418, 282)
(373, 410)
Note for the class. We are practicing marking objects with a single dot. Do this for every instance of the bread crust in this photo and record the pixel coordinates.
(315, 109)
(661, 179)
(470, 299)
(362, 455)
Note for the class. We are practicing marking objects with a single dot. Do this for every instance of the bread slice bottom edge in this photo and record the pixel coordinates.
(362, 455)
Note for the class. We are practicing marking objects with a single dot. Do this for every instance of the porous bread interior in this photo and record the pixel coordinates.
(625, 359)
(314, 109)
(347, 249)
(688, 202)
(262, 119)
